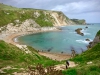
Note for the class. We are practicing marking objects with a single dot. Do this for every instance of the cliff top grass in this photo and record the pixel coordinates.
(11, 55)
(91, 55)
(98, 33)
(9, 14)
(44, 18)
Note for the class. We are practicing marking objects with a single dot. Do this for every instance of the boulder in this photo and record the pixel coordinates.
(87, 39)
(86, 27)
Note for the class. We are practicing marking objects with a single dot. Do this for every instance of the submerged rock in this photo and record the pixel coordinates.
(87, 39)
(82, 34)
(86, 27)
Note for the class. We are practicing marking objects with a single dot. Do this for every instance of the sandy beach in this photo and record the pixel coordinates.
(10, 39)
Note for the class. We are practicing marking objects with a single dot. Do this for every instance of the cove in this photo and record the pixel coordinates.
(61, 41)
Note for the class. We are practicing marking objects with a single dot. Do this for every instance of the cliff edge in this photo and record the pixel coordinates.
(96, 40)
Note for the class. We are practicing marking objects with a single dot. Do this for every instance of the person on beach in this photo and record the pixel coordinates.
(67, 64)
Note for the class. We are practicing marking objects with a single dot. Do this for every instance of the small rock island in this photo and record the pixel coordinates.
(79, 31)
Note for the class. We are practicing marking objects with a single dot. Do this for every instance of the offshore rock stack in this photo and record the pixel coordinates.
(79, 31)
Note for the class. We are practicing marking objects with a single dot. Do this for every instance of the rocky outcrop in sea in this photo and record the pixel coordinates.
(79, 31)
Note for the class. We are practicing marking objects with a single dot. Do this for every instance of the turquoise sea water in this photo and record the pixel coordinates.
(61, 41)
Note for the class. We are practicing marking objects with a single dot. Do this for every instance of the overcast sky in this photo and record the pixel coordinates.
(80, 9)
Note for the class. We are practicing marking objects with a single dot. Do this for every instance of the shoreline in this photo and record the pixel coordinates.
(54, 56)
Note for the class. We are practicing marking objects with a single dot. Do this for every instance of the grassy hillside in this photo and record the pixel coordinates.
(9, 16)
(98, 33)
(14, 57)
(83, 68)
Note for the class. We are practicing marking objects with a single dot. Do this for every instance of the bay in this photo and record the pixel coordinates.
(61, 41)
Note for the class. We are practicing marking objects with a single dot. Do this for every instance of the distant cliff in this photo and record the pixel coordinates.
(78, 21)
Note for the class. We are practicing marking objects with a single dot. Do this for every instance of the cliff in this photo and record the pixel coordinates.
(96, 40)
(43, 18)
(78, 21)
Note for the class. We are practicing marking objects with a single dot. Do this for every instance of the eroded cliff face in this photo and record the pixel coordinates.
(96, 40)
(28, 25)
(60, 19)
(51, 18)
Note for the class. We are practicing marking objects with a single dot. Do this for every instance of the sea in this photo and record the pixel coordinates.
(62, 41)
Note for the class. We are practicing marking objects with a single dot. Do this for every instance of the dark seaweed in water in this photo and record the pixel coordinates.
(50, 49)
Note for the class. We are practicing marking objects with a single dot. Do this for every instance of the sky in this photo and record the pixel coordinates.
(79, 9)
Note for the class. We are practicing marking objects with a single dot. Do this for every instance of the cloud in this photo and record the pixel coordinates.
(79, 7)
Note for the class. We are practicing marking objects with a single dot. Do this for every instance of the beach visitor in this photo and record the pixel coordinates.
(67, 64)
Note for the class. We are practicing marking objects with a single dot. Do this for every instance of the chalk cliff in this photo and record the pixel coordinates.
(28, 19)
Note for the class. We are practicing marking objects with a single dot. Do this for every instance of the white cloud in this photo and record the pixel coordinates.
(79, 7)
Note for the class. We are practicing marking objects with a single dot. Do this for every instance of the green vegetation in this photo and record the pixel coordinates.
(77, 21)
(9, 14)
(11, 55)
(91, 55)
(98, 33)
(16, 58)
(44, 19)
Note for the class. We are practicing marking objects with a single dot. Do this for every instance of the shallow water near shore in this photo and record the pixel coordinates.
(61, 41)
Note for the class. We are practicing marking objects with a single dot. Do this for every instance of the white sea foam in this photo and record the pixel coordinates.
(83, 41)
(84, 31)
(87, 34)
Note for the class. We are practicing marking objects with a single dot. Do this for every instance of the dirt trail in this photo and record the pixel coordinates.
(59, 57)
(63, 66)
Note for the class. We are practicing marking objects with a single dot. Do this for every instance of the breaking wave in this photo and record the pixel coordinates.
(84, 31)
(83, 41)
